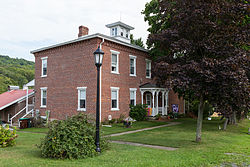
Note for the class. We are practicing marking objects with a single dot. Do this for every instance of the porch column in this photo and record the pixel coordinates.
(166, 97)
(157, 98)
(163, 99)
(142, 92)
(153, 93)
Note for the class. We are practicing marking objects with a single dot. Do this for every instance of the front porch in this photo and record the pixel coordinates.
(155, 98)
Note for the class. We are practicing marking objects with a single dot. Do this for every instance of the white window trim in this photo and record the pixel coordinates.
(147, 60)
(42, 89)
(132, 57)
(116, 89)
(78, 99)
(130, 90)
(44, 58)
(117, 68)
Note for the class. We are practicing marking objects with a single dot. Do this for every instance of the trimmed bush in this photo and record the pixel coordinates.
(7, 137)
(138, 112)
(73, 138)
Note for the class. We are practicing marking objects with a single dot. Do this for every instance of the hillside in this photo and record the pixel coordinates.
(14, 71)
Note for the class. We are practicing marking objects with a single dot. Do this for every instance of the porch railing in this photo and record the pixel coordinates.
(11, 119)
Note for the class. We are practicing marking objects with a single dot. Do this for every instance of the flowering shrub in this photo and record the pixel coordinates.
(7, 137)
(73, 138)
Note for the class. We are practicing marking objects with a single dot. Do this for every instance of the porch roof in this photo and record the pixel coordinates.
(150, 85)
(11, 97)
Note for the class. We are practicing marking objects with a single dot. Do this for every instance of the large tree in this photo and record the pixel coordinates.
(201, 47)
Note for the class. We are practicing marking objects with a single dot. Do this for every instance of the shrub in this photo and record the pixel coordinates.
(7, 137)
(73, 138)
(138, 112)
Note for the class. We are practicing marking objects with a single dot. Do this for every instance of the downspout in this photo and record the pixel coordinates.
(101, 84)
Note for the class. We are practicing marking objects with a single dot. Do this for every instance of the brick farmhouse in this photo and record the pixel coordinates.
(65, 77)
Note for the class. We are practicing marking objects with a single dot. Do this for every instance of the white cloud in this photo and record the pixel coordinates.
(33, 21)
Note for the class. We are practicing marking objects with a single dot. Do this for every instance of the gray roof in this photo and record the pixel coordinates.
(97, 35)
(151, 85)
(119, 23)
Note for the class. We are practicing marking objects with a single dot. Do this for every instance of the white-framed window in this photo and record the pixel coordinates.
(132, 63)
(81, 98)
(132, 96)
(148, 99)
(114, 98)
(114, 62)
(122, 32)
(148, 68)
(44, 66)
(114, 31)
(43, 97)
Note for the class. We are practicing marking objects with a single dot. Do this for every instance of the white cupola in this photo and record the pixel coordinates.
(120, 31)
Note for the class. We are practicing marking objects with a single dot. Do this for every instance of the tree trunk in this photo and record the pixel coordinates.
(199, 120)
(234, 118)
(225, 124)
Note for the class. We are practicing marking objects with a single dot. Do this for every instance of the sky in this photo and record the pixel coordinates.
(26, 25)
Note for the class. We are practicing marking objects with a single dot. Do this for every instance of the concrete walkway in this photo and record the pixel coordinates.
(140, 130)
(144, 145)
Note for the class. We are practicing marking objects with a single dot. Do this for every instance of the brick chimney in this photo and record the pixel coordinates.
(83, 31)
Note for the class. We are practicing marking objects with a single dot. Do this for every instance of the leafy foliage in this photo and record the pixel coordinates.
(7, 137)
(205, 46)
(15, 72)
(138, 112)
(137, 42)
(73, 138)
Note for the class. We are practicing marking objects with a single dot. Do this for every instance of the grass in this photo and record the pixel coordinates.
(116, 128)
(35, 130)
(208, 153)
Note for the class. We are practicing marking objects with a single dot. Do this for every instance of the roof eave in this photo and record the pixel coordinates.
(97, 35)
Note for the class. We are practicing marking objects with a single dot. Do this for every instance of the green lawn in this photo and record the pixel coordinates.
(34, 130)
(116, 128)
(208, 153)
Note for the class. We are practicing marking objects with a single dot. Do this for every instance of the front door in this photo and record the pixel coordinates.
(148, 100)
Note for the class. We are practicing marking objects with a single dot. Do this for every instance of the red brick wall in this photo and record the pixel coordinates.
(123, 80)
(68, 67)
(174, 99)
(72, 66)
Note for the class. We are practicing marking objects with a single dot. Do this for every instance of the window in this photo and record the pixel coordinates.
(122, 32)
(132, 61)
(115, 62)
(115, 31)
(44, 66)
(148, 68)
(81, 98)
(43, 97)
(126, 33)
(114, 98)
(133, 96)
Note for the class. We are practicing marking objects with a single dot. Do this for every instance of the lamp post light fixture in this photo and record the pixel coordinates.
(98, 62)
